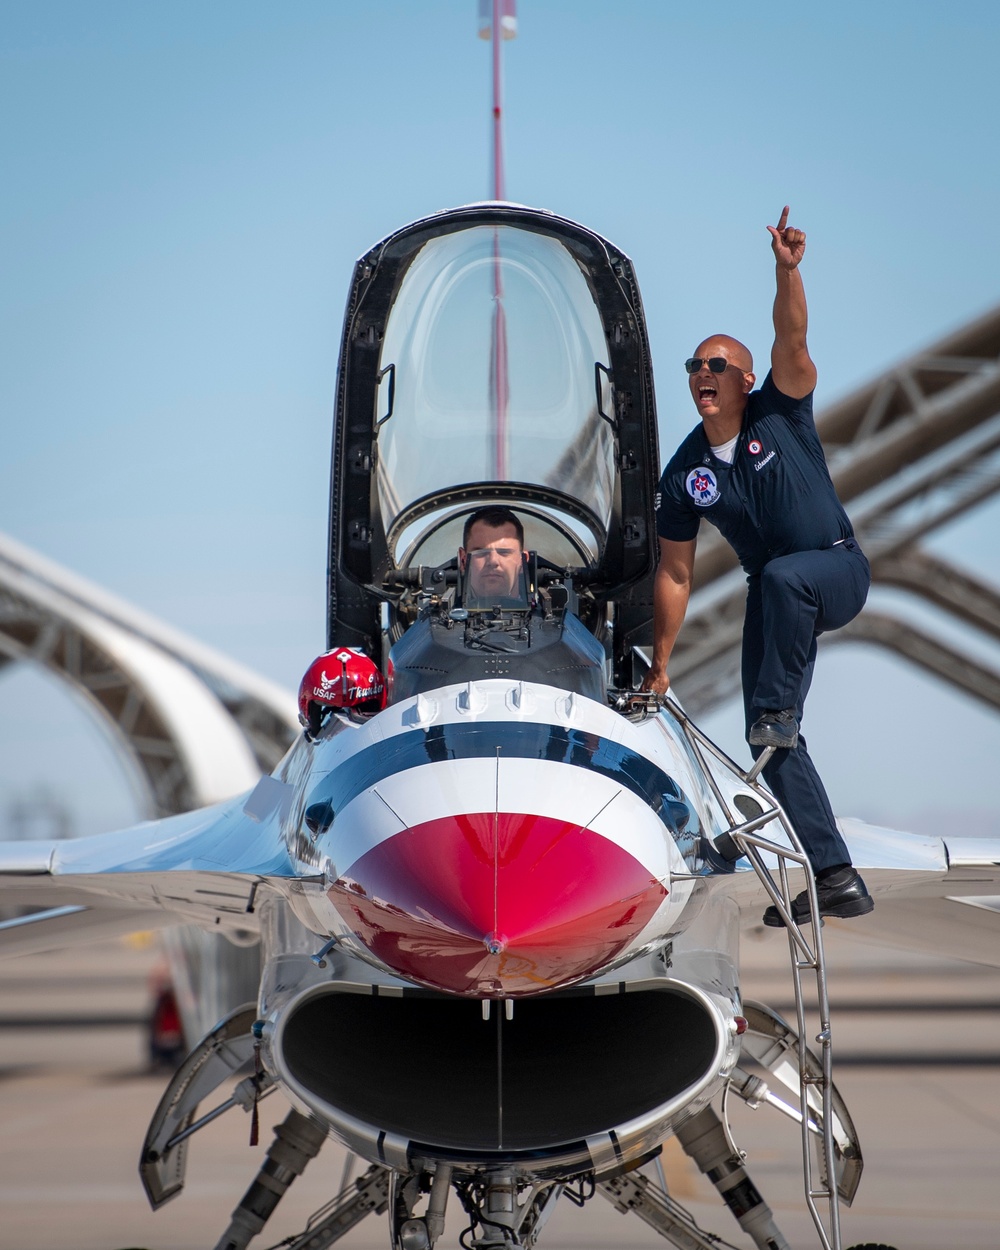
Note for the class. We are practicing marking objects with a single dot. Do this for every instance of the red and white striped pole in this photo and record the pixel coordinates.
(498, 21)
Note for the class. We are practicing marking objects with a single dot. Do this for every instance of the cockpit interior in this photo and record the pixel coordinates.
(494, 357)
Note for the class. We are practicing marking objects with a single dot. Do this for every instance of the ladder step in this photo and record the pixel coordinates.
(804, 956)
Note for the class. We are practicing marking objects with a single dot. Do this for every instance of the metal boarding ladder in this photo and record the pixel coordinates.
(813, 1090)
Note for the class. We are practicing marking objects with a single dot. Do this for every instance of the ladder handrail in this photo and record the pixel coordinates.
(802, 956)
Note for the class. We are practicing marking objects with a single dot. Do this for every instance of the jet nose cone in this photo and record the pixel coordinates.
(497, 904)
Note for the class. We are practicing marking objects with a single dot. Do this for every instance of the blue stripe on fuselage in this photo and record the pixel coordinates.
(479, 740)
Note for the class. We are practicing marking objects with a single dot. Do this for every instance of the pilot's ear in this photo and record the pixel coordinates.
(748, 380)
(461, 559)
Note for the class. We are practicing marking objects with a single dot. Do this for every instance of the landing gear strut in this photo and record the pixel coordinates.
(297, 1140)
(503, 1217)
(704, 1139)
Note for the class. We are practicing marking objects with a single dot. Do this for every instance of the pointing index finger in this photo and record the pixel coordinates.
(783, 219)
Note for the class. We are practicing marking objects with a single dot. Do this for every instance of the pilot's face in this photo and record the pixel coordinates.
(493, 558)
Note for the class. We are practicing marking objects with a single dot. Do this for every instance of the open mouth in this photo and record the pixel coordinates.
(706, 393)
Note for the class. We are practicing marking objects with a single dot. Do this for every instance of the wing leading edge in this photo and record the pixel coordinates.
(201, 867)
(940, 895)
(954, 913)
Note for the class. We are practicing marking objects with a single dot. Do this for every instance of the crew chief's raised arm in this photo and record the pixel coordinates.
(792, 368)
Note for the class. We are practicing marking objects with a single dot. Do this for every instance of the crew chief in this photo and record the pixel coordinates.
(754, 467)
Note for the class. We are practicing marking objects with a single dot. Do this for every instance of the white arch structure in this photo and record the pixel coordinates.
(190, 725)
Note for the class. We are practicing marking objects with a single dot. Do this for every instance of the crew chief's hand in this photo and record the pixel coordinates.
(787, 243)
(656, 681)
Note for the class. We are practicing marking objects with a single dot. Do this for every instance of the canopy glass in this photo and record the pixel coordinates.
(494, 376)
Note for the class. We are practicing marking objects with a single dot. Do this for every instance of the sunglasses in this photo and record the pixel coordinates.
(717, 364)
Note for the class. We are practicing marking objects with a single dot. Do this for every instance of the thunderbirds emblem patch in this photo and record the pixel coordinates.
(702, 486)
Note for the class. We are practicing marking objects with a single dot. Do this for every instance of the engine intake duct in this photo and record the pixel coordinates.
(431, 1070)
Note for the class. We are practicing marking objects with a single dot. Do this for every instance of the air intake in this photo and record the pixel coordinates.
(430, 1070)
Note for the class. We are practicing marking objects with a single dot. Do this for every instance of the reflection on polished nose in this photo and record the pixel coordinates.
(497, 903)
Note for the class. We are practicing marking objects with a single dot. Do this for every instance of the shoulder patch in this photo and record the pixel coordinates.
(702, 485)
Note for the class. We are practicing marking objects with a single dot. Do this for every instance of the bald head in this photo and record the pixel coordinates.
(735, 352)
(721, 397)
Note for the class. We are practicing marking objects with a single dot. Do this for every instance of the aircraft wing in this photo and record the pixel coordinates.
(940, 895)
(201, 867)
(956, 913)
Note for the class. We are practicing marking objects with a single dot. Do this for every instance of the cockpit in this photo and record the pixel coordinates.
(494, 358)
(487, 375)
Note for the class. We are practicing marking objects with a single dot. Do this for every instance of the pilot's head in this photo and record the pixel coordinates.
(491, 553)
(722, 393)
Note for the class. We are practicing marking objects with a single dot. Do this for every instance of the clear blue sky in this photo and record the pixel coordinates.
(186, 187)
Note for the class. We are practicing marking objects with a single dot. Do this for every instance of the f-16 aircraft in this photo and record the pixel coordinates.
(499, 893)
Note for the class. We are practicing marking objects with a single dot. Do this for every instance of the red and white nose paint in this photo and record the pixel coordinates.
(497, 902)
(500, 876)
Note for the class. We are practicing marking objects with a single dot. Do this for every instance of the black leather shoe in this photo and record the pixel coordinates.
(775, 729)
(843, 894)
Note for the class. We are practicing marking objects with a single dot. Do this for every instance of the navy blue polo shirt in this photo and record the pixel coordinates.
(775, 498)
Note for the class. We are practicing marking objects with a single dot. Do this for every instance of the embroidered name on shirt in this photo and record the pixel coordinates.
(760, 463)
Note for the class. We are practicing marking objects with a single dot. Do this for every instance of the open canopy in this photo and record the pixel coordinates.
(491, 354)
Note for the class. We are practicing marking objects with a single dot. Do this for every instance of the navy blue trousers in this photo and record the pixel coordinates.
(790, 603)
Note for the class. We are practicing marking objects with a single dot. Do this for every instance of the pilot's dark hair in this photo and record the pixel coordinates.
(495, 518)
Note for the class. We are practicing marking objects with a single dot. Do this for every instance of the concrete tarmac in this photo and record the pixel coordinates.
(916, 1056)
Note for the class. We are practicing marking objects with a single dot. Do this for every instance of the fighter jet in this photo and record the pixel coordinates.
(499, 893)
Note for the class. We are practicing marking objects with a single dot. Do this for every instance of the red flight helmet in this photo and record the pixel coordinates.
(342, 678)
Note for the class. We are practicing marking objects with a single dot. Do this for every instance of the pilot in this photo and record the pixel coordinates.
(754, 467)
(492, 555)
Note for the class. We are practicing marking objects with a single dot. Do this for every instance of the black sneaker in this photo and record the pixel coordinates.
(843, 894)
(776, 729)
